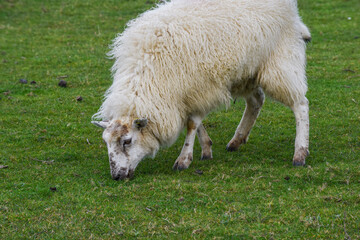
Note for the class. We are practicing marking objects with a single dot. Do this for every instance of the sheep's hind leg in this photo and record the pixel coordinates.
(254, 103)
(301, 112)
(283, 78)
(205, 143)
(185, 158)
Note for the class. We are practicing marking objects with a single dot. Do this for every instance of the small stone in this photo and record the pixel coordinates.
(79, 98)
(53, 189)
(32, 82)
(62, 83)
(23, 81)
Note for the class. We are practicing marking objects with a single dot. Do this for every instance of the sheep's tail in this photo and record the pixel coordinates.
(305, 33)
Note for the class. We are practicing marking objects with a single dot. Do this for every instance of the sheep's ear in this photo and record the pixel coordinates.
(101, 124)
(140, 123)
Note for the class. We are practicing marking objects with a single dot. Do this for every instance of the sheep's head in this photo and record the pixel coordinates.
(128, 143)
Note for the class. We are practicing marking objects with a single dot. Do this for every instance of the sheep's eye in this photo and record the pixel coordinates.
(127, 142)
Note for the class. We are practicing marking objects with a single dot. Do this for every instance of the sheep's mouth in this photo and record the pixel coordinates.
(123, 174)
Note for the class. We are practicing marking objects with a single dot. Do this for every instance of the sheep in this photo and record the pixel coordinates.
(185, 58)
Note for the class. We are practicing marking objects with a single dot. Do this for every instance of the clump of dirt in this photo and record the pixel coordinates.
(62, 83)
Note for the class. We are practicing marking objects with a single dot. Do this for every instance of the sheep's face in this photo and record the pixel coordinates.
(125, 143)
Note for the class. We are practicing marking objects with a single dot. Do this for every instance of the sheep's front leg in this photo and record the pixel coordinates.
(205, 143)
(185, 158)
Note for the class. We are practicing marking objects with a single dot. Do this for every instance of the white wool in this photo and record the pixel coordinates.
(188, 57)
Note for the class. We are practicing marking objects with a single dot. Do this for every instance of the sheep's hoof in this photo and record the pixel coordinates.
(231, 148)
(206, 156)
(183, 162)
(299, 157)
(298, 163)
(179, 166)
(234, 144)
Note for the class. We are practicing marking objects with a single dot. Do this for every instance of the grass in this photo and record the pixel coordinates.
(47, 140)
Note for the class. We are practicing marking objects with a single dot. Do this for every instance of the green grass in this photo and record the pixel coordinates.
(46, 140)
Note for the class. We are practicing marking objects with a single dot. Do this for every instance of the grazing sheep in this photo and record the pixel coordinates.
(176, 63)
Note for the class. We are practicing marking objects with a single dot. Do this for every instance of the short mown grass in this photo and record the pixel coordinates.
(54, 175)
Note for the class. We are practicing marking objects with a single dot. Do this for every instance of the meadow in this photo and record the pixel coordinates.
(55, 181)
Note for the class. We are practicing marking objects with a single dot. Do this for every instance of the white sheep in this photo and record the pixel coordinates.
(179, 61)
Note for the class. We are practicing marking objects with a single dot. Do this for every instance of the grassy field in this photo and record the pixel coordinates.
(54, 171)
